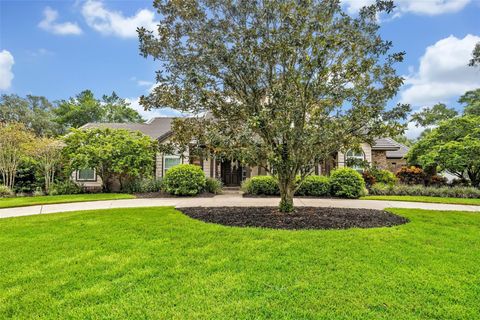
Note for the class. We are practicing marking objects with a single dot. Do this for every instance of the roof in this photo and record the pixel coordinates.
(385, 144)
(400, 153)
(154, 128)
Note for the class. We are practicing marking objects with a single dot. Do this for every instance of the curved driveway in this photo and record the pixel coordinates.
(226, 200)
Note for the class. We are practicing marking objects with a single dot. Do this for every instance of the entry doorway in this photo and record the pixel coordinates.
(231, 173)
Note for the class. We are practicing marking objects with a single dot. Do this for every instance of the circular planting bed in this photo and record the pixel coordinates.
(302, 218)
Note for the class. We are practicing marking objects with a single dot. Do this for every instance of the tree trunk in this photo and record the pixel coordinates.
(287, 189)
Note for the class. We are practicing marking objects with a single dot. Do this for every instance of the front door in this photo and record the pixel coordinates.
(231, 173)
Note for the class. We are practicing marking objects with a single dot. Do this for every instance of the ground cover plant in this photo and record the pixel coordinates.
(156, 263)
(467, 201)
(31, 201)
(381, 189)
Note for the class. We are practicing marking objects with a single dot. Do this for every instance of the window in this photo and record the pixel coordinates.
(354, 159)
(86, 175)
(170, 161)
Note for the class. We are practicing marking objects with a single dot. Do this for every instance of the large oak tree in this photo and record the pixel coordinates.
(284, 83)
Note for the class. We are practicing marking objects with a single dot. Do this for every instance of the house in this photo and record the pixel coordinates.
(231, 173)
(396, 159)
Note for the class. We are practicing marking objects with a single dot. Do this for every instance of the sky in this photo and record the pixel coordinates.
(60, 48)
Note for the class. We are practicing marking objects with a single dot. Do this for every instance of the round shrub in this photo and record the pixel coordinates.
(184, 180)
(261, 185)
(213, 185)
(384, 176)
(381, 189)
(315, 186)
(347, 183)
(411, 175)
(5, 191)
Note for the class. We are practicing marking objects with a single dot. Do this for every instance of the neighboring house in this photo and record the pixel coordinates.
(396, 159)
(231, 173)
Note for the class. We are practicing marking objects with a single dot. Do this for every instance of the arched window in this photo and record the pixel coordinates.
(354, 158)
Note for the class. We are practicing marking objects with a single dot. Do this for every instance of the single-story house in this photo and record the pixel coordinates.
(231, 174)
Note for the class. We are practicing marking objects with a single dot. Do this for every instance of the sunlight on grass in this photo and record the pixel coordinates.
(31, 201)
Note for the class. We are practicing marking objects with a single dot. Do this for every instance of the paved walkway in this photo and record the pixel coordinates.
(226, 200)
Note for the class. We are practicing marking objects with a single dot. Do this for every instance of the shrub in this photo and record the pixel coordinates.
(411, 175)
(213, 185)
(316, 186)
(184, 180)
(369, 178)
(418, 190)
(347, 182)
(5, 191)
(65, 187)
(437, 181)
(142, 185)
(261, 185)
(38, 192)
(384, 176)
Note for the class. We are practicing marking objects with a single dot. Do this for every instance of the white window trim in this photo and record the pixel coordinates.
(169, 156)
(362, 157)
(77, 178)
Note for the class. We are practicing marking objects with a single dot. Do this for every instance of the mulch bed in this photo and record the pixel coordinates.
(302, 218)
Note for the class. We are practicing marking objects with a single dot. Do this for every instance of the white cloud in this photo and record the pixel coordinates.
(421, 7)
(48, 23)
(6, 74)
(413, 131)
(110, 22)
(443, 72)
(147, 115)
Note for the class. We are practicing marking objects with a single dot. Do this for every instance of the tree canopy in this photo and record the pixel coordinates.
(471, 100)
(85, 108)
(454, 146)
(284, 84)
(34, 112)
(430, 116)
(113, 153)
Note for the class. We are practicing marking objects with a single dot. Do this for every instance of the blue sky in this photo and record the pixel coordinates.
(59, 48)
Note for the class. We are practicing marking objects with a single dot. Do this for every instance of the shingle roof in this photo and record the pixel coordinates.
(400, 153)
(387, 144)
(155, 128)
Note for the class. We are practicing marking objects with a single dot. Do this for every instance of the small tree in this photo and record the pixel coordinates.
(15, 145)
(288, 83)
(48, 153)
(454, 146)
(113, 153)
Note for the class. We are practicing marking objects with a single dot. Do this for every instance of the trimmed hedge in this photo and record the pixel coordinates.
(347, 183)
(65, 187)
(316, 186)
(381, 189)
(184, 180)
(143, 185)
(261, 185)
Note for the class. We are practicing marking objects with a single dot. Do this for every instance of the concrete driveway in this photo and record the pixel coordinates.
(226, 200)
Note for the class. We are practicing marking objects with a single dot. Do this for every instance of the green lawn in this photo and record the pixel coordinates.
(31, 201)
(467, 201)
(155, 263)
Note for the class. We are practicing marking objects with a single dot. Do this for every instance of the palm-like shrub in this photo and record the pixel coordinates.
(5, 191)
(347, 183)
(184, 180)
(213, 185)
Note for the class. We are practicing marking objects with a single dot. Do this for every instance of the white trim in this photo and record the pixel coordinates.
(86, 180)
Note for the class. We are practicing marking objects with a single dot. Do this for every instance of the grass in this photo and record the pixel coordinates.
(31, 201)
(467, 201)
(155, 263)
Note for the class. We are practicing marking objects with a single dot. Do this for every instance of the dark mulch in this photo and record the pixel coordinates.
(162, 194)
(302, 218)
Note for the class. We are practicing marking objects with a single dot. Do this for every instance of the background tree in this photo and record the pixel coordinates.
(431, 116)
(454, 146)
(15, 145)
(85, 108)
(47, 153)
(35, 112)
(118, 110)
(287, 83)
(475, 61)
(113, 153)
(471, 100)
